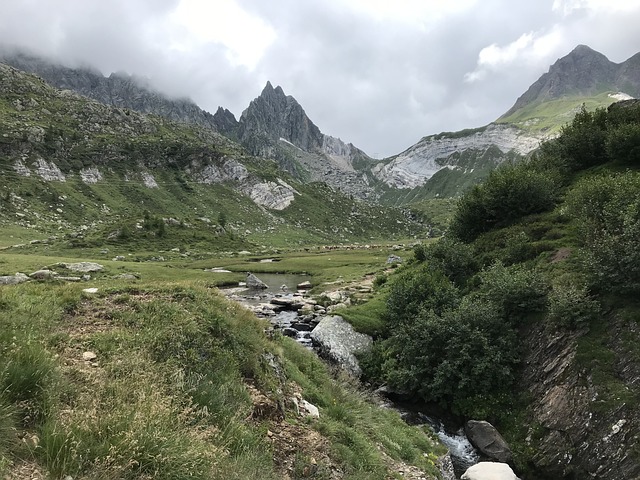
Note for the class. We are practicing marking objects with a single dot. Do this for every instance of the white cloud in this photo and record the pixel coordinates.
(529, 47)
(567, 7)
(198, 22)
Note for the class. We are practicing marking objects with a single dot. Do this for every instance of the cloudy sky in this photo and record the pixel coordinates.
(378, 73)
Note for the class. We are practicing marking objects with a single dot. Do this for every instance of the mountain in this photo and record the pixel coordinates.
(447, 163)
(582, 73)
(118, 89)
(275, 125)
(69, 161)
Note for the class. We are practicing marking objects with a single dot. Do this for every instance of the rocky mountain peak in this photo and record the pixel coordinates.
(582, 72)
(274, 116)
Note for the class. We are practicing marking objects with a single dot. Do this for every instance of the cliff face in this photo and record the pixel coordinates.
(584, 418)
(416, 165)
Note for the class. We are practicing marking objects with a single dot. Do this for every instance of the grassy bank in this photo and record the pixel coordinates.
(184, 384)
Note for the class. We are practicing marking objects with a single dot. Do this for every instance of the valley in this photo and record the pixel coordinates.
(489, 273)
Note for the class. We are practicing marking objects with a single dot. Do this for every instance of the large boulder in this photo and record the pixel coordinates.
(488, 440)
(43, 274)
(254, 282)
(82, 267)
(338, 342)
(14, 279)
(489, 471)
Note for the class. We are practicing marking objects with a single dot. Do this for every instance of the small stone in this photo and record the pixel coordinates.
(90, 290)
(89, 356)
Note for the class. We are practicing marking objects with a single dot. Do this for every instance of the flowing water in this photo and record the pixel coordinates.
(463, 455)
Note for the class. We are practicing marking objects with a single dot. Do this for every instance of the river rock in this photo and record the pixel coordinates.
(14, 279)
(488, 440)
(489, 471)
(43, 274)
(304, 285)
(254, 282)
(83, 267)
(339, 342)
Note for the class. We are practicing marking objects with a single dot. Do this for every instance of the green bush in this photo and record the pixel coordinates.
(453, 258)
(446, 358)
(582, 142)
(570, 306)
(516, 290)
(509, 193)
(607, 210)
(413, 291)
(623, 144)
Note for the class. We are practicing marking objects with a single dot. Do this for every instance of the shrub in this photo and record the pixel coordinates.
(413, 291)
(623, 143)
(453, 258)
(508, 194)
(446, 358)
(570, 306)
(608, 213)
(582, 142)
(516, 290)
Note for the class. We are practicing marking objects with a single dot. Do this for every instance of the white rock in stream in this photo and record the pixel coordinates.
(489, 471)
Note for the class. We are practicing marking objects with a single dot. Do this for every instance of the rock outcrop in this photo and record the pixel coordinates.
(413, 167)
(337, 341)
(488, 440)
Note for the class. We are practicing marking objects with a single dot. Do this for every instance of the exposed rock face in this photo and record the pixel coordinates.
(83, 267)
(489, 471)
(488, 440)
(13, 279)
(276, 115)
(90, 175)
(339, 342)
(419, 163)
(272, 195)
(581, 429)
(49, 171)
(582, 72)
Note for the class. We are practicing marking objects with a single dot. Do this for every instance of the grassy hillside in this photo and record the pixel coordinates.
(551, 115)
(162, 377)
(70, 165)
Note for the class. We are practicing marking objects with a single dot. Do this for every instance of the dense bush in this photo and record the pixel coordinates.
(414, 291)
(582, 142)
(446, 358)
(608, 213)
(516, 290)
(508, 194)
(570, 306)
(451, 257)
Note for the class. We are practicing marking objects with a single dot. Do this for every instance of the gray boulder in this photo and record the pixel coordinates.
(14, 279)
(254, 282)
(43, 274)
(488, 440)
(489, 471)
(82, 267)
(338, 342)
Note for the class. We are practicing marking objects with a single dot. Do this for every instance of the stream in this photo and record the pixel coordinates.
(295, 315)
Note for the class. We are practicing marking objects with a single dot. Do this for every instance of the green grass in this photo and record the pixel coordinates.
(168, 397)
(550, 116)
